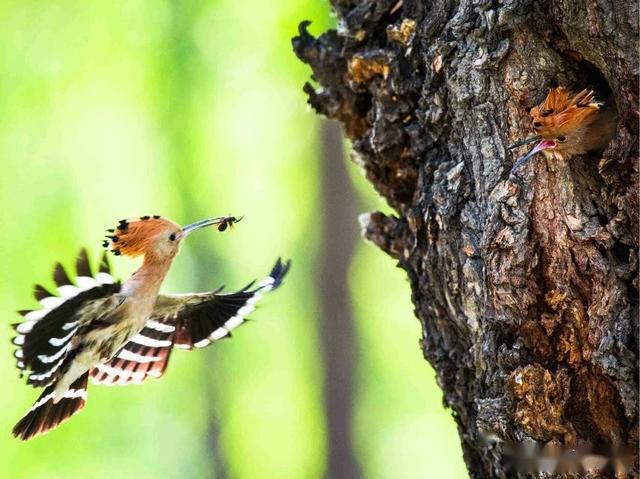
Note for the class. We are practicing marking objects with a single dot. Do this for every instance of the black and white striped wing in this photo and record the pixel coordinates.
(185, 321)
(203, 319)
(44, 338)
(145, 355)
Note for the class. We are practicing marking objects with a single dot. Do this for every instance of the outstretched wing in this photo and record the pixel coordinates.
(44, 338)
(185, 321)
(145, 355)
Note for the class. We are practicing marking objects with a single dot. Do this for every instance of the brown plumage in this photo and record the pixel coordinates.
(120, 333)
(134, 237)
(570, 124)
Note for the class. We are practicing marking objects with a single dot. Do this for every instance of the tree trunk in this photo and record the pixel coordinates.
(339, 238)
(526, 287)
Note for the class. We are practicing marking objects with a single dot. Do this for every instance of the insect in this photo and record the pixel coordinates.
(121, 333)
(228, 221)
(568, 124)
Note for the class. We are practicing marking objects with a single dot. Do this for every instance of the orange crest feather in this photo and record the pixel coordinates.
(563, 111)
(133, 237)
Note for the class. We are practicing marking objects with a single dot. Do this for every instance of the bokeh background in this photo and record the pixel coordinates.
(190, 109)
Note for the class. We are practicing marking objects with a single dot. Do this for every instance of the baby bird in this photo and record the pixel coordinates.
(119, 334)
(569, 124)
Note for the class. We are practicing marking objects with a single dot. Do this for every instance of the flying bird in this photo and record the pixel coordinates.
(121, 333)
(568, 124)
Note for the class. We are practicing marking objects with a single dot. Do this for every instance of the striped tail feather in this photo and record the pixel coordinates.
(47, 414)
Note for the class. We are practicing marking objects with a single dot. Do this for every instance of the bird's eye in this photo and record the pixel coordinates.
(537, 124)
(172, 237)
(562, 139)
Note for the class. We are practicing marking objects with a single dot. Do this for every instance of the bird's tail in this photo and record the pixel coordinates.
(49, 410)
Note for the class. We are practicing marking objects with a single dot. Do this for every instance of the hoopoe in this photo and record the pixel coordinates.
(120, 334)
(569, 124)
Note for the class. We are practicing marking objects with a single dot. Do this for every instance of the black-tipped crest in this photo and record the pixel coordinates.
(136, 236)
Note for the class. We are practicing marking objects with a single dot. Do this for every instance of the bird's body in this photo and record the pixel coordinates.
(568, 124)
(120, 333)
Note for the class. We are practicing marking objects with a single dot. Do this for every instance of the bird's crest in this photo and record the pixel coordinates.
(132, 237)
(563, 111)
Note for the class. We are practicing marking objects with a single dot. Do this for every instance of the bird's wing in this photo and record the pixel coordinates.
(185, 321)
(45, 337)
(145, 355)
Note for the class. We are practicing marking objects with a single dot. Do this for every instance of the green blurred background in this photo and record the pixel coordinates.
(190, 109)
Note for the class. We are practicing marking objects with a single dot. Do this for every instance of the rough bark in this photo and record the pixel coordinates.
(526, 287)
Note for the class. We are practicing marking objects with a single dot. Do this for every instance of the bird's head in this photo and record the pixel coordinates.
(561, 123)
(154, 236)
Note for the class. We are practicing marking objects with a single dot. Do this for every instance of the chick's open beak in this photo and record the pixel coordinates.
(543, 145)
(524, 142)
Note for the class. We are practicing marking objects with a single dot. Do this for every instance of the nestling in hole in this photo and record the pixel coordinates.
(568, 124)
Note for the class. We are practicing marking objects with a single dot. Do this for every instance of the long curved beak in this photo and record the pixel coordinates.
(524, 142)
(543, 145)
(208, 222)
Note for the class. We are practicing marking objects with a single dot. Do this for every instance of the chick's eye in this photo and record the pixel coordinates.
(172, 237)
(561, 139)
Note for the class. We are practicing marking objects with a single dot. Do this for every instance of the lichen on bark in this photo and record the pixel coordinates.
(526, 286)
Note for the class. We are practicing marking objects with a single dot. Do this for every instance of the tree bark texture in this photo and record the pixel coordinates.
(526, 286)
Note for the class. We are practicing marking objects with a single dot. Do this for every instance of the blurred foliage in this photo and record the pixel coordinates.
(190, 109)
